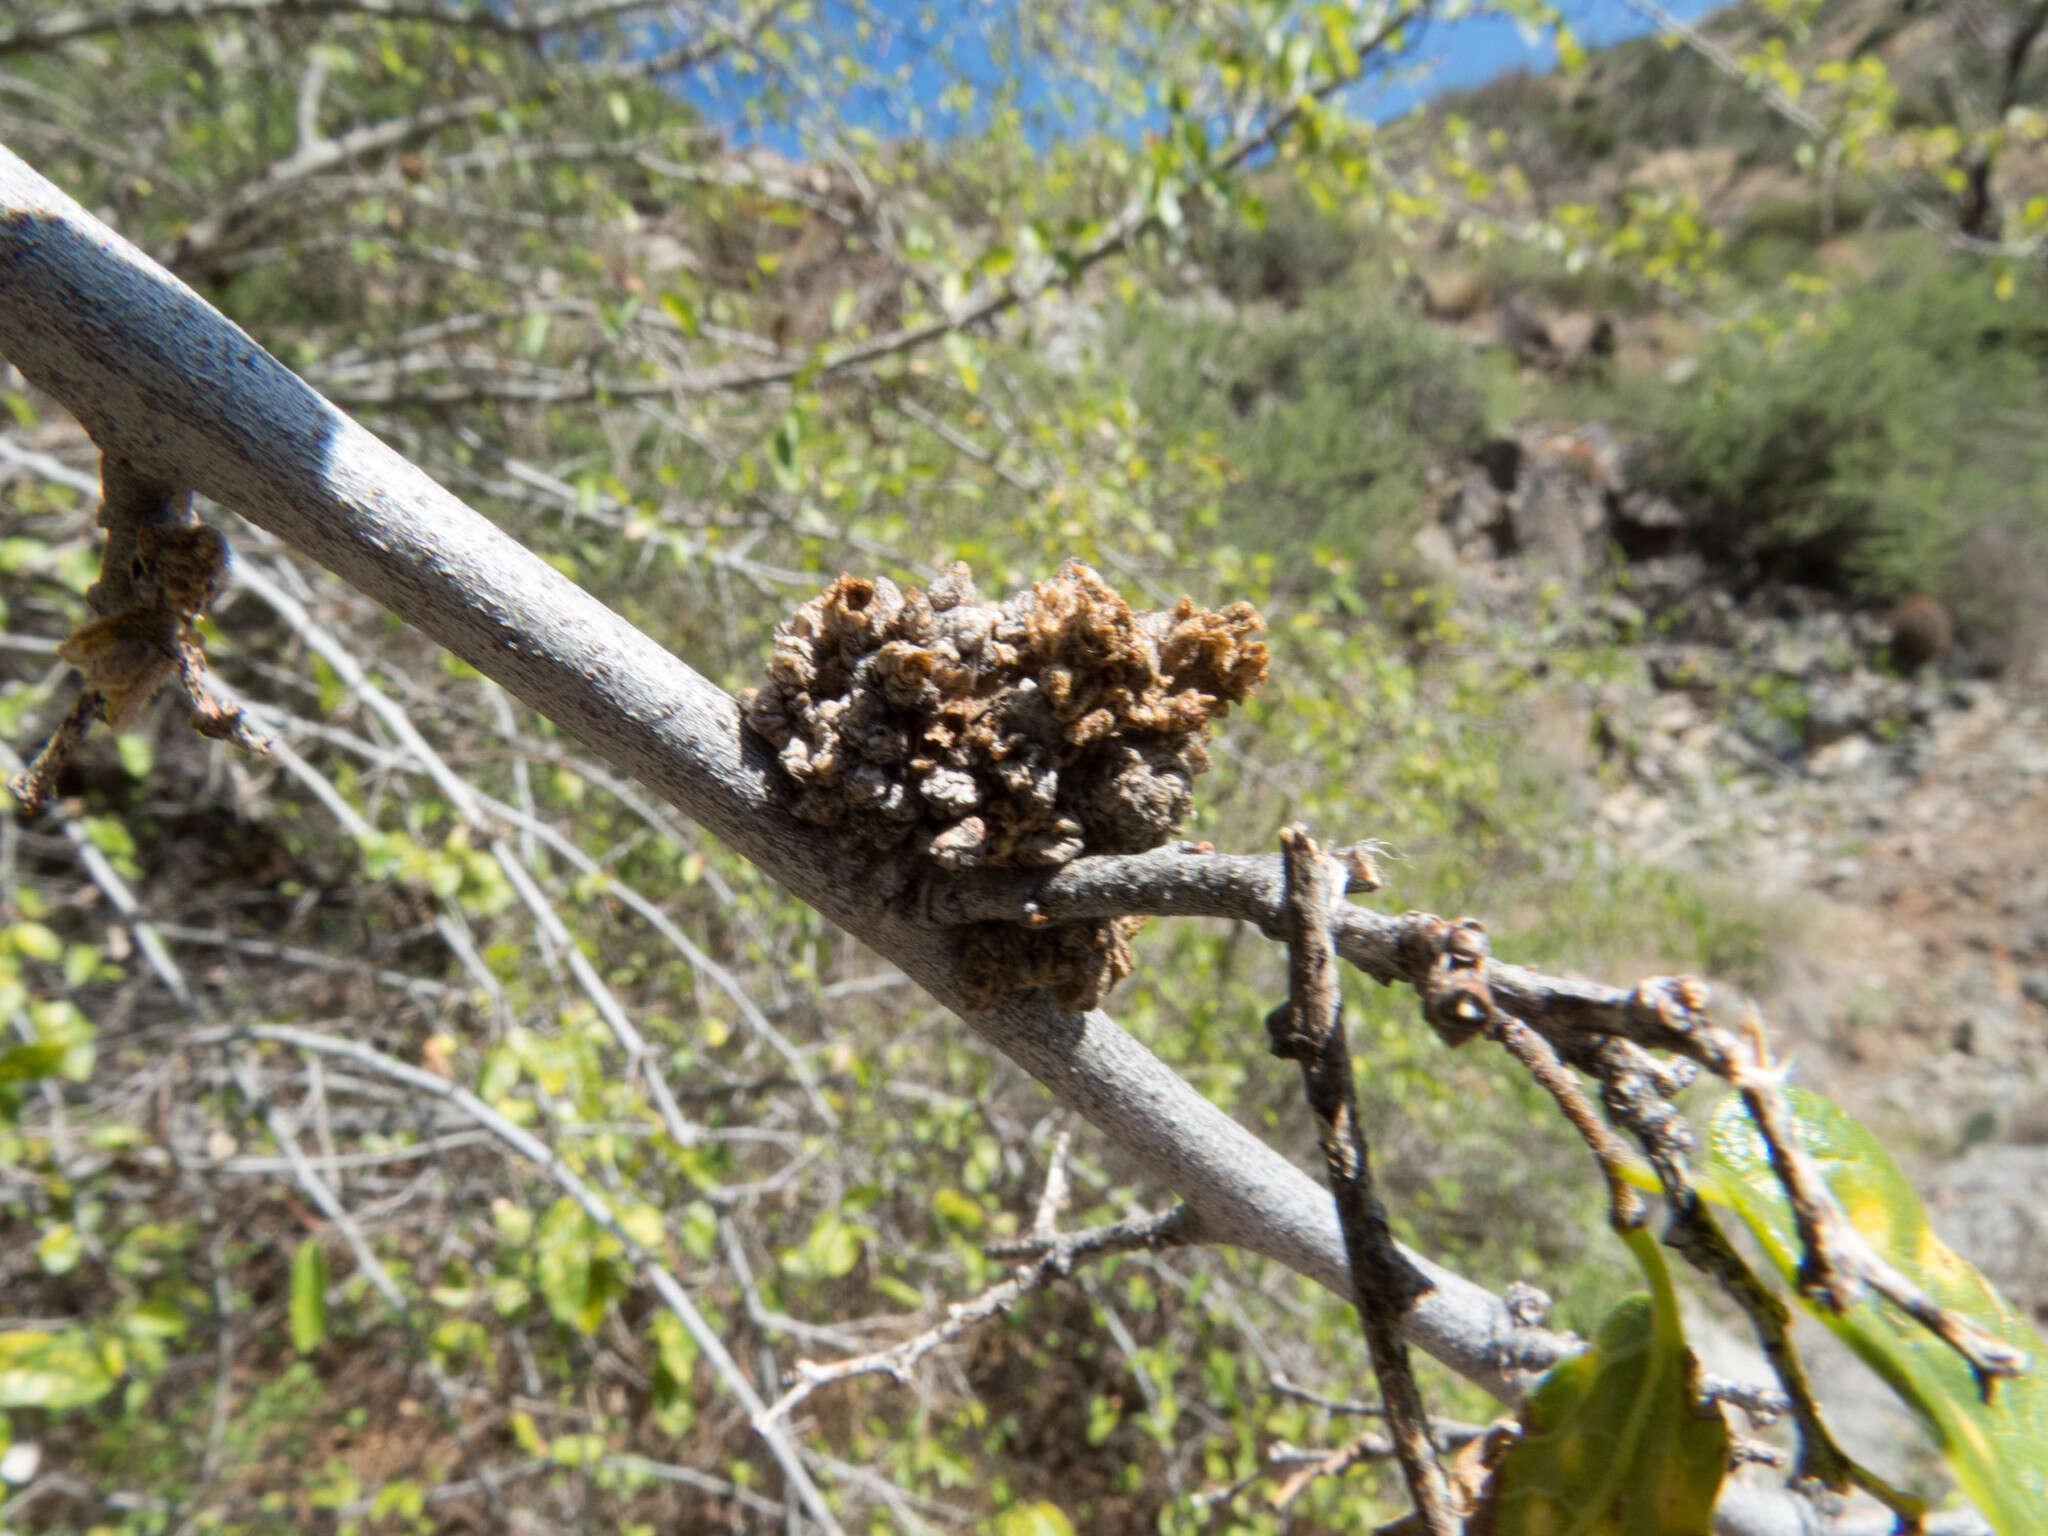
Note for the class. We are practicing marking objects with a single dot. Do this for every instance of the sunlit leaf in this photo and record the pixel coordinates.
(1998, 1450)
(51, 1370)
(309, 1297)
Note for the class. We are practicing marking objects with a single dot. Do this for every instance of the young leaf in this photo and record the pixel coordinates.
(309, 1296)
(1997, 1450)
(1614, 1442)
(51, 1370)
(573, 1265)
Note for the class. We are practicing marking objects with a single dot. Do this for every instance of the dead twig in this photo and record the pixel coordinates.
(1309, 1029)
(1053, 1259)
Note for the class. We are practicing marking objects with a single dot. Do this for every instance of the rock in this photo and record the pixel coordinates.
(1549, 514)
(1920, 632)
(1841, 759)
(1475, 517)
(1992, 1205)
(1842, 872)
(1835, 712)
(1771, 732)
(1647, 525)
(1453, 292)
(1502, 461)
(1523, 332)
(1579, 336)
(2034, 987)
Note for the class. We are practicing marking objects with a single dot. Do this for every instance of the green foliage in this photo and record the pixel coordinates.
(1615, 1440)
(309, 1296)
(577, 1266)
(1887, 441)
(41, 1369)
(1323, 419)
(1997, 1449)
(1638, 94)
(1285, 249)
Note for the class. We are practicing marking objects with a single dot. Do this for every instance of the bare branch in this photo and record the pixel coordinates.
(1309, 1029)
(50, 30)
(157, 375)
(1055, 1260)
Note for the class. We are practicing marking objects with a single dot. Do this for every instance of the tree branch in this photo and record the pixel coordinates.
(1309, 1029)
(165, 383)
(66, 26)
(162, 380)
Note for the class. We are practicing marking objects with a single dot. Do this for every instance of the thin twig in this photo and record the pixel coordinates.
(1634, 1101)
(1309, 1029)
(1055, 1259)
(1463, 990)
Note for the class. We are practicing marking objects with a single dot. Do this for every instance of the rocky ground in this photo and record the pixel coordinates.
(1894, 821)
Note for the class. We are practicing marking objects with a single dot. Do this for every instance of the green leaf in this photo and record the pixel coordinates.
(960, 352)
(51, 1370)
(674, 1350)
(60, 1249)
(959, 1210)
(24, 1063)
(309, 1297)
(1613, 1441)
(579, 1450)
(833, 1247)
(785, 453)
(36, 941)
(572, 1263)
(1997, 1450)
(1040, 1519)
(681, 310)
(136, 754)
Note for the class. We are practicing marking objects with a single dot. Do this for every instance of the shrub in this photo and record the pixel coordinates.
(1296, 249)
(1326, 417)
(1877, 453)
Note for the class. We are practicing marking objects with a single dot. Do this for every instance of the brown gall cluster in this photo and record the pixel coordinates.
(932, 727)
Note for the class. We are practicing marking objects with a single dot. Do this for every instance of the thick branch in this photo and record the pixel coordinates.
(162, 380)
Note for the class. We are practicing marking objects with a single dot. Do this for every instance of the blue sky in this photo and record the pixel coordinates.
(1478, 48)
(1458, 53)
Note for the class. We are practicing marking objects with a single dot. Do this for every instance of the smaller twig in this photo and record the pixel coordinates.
(1052, 1258)
(1763, 1405)
(1747, 1451)
(1837, 1263)
(1446, 1432)
(1463, 990)
(37, 782)
(1632, 1099)
(1366, 1445)
(1053, 1198)
(1625, 1208)
(1309, 1029)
